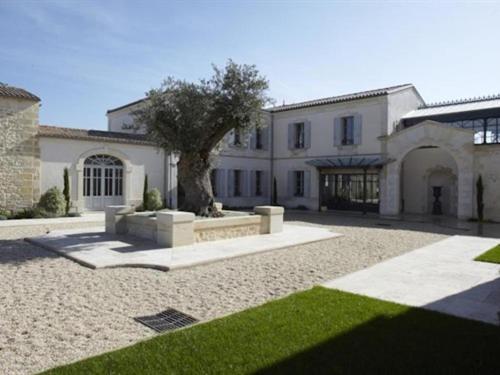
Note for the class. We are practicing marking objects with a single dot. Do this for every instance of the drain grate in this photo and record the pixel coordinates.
(384, 225)
(167, 320)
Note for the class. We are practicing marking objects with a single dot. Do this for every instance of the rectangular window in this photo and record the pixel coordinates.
(213, 181)
(108, 182)
(237, 183)
(258, 183)
(492, 131)
(258, 139)
(299, 184)
(237, 138)
(299, 135)
(348, 130)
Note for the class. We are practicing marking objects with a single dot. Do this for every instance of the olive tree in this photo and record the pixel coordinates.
(192, 118)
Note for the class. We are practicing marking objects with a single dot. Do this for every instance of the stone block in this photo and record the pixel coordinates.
(116, 218)
(175, 228)
(272, 218)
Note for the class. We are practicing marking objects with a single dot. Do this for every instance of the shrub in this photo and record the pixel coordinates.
(25, 213)
(5, 214)
(145, 195)
(154, 201)
(52, 202)
(67, 197)
(479, 199)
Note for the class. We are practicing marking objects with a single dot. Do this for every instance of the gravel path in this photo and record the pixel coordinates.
(53, 311)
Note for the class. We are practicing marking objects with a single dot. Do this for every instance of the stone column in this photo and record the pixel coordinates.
(174, 228)
(116, 218)
(272, 218)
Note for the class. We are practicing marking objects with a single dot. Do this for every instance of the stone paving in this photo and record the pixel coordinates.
(442, 276)
(94, 248)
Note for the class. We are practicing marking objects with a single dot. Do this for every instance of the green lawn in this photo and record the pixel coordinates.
(319, 331)
(491, 256)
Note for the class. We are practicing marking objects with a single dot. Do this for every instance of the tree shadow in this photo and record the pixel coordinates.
(17, 252)
(416, 341)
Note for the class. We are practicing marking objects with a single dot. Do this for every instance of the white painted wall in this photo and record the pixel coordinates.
(400, 103)
(56, 154)
(117, 119)
(487, 164)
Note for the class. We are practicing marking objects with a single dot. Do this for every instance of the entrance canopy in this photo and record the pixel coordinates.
(349, 162)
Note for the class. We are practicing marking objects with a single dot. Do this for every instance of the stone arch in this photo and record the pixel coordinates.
(78, 165)
(458, 143)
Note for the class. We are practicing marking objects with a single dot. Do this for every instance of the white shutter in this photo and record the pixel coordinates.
(291, 128)
(337, 131)
(307, 134)
(245, 183)
(264, 183)
(265, 137)
(220, 179)
(253, 139)
(307, 184)
(357, 129)
(290, 183)
(230, 183)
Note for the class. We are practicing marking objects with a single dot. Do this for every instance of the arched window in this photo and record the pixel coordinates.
(102, 181)
(103, 160)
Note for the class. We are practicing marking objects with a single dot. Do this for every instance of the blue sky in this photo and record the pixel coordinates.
(84, 57)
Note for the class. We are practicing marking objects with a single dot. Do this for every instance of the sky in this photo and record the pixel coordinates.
(83, 57)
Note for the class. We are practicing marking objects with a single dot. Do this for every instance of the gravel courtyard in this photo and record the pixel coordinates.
(54, 311)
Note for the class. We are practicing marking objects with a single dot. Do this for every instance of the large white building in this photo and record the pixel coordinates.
(382, 150)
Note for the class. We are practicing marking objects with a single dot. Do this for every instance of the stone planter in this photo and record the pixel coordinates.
(178, 228)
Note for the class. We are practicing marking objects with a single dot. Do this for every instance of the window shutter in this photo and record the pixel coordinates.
(307, 184)
(264, 176)
(337, 131)
(291, 183)
(220, 179)
(307, 134)
(230, 138)
(357, 129)
(265, 138)
(291, 128)
(230, 183)
(244, 183)
(253, 140)
(252, 183)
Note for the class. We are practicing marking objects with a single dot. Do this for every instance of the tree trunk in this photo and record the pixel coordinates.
(194, 177)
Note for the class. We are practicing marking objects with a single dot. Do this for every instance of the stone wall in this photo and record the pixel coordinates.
(19, 153)
(225, 228)
(487, 162)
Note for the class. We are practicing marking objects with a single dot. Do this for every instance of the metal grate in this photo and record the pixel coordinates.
(167, 320)
(384, 225)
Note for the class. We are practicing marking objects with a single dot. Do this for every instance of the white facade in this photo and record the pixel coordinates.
(57, 154)
(350, 152)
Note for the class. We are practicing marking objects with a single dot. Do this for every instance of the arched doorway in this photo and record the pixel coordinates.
(429, 182)
(102, 181)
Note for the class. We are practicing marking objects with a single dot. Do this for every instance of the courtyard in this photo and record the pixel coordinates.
(55, 311)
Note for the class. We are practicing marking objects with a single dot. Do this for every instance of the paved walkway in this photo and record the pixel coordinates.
(442, 276)
(96, 217)
(94, 248)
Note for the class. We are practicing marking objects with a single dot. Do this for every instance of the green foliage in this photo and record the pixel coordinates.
(194, 117)
(145, 195)
(5, 214)
(479, 199)
(66, 194)
(320, 331)
(154, 201)
(52, 202)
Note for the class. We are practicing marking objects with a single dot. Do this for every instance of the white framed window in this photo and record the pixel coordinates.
(299, 184)
(237, 183)
(299, 135)
(258, 183)
(237, 137)
(258, 139)
(347, 130)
